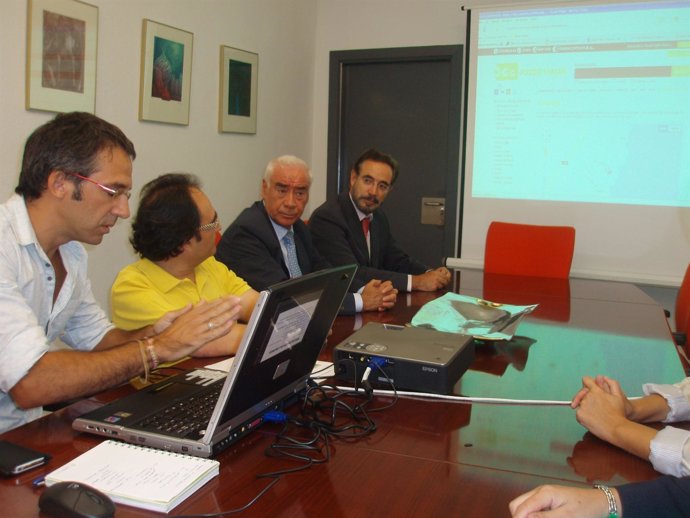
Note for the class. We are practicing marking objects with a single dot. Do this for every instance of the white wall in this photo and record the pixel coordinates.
(370, 24)
(293, 39)
(229, 165)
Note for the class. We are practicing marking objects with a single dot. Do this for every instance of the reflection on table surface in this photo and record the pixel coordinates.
(439, 457)
(579, 329)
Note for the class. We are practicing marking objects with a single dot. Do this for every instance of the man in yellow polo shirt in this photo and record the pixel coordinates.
(174, 233)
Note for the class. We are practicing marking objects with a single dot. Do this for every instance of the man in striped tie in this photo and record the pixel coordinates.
(269, 242)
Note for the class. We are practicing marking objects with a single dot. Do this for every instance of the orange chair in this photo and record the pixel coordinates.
(552, 295)
(529, 250)
(682, 311)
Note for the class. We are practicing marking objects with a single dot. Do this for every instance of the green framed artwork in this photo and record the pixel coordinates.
(239, 71)
(166, 73)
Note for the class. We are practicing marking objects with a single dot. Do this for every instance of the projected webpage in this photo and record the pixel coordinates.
(588, 104)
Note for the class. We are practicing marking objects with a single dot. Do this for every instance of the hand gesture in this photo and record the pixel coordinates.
(379, 295)
(168, 319)
(190, 328)
(432, 280)
(601, 405)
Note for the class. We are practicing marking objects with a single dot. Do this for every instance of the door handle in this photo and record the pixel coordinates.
(433, 211)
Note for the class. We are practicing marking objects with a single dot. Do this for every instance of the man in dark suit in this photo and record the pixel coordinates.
(269, 243)
(342, 237)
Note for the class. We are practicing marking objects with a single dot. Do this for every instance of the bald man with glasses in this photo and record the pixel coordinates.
(353, 229)
(74, 185)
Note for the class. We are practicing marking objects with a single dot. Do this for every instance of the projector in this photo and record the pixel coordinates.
(417, 359)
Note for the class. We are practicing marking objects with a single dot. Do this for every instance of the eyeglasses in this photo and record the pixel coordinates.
(113, 193)
(214, 225)
(381, 186)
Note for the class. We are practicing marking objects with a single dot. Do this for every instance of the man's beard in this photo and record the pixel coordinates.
(367, 209)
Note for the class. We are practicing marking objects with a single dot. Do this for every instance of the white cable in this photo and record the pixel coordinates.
(465, 399)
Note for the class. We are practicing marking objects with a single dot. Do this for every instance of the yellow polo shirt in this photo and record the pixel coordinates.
(143, 292)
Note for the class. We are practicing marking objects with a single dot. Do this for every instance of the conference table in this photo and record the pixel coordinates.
(432, 457)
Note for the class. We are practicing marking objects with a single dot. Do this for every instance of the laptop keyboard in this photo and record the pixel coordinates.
(188, 418)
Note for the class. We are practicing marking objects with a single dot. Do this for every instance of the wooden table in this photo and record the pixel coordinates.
(439, 458)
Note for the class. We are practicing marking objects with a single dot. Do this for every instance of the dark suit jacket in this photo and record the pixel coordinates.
(337, 234)
(664, 496)
(250, 248)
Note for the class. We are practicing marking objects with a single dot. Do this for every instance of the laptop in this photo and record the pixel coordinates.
(281, 344)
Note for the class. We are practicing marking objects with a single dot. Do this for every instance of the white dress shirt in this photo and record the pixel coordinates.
(361, 216)
(280, 234)
(670, 448)
(29, 321)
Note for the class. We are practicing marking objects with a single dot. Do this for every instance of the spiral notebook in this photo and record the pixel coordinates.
(142, 477)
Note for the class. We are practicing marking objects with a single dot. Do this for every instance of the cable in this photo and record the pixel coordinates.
(465, 399)
(379, 363)
(324, 404)
(374, 362)
(326, 411)
(231, 511)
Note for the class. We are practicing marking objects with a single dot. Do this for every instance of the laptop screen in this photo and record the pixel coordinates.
(282, 342)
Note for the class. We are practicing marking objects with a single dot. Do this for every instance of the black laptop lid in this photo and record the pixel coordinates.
(286, 339)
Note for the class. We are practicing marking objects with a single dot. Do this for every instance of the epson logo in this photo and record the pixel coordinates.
(429, 369)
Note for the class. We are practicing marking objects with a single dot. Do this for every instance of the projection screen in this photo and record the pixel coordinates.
(579, 114)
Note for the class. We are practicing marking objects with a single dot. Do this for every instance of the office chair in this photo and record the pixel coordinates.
(552, 295)
(529, 250)
(682, 311)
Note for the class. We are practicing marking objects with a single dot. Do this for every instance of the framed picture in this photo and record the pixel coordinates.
(239, 71)
(62, 40)
(166, 73)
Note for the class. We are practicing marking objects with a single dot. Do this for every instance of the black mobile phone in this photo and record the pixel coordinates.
(15, 459)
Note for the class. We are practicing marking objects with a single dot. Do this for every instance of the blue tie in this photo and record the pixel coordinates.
(292, 264)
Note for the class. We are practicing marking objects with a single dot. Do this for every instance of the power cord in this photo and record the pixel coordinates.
(231, 511)
(374, 362)
(326, 411)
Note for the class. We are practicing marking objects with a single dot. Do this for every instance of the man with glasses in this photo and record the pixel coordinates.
(174, 232)
(269, 242)
(73, 186)
(352, 229)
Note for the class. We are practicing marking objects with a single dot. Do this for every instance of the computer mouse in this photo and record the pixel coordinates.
(75, 500)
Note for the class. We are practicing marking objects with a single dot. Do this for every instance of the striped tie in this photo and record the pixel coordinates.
(292, 264)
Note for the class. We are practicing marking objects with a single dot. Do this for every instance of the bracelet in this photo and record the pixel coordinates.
(613, 509)
(145, 361)
(155, 361)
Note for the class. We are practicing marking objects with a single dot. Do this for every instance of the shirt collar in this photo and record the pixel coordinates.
(166, 281)
(280, 230)
(20, 221)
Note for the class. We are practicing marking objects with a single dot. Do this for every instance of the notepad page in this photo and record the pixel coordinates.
(138, 476)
